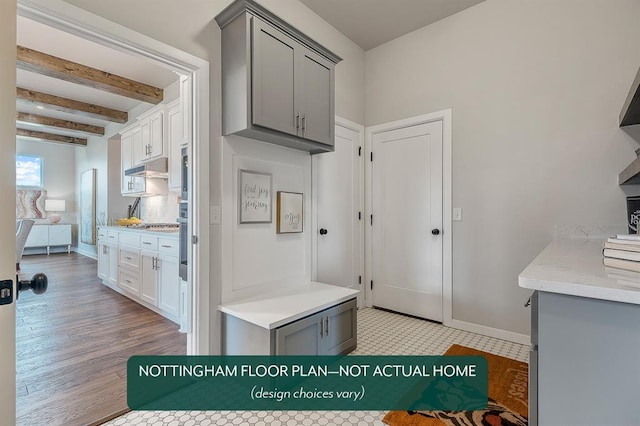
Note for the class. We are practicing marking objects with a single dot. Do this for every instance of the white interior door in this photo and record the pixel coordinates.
(407, 220)
(338, 191)
(7, 210)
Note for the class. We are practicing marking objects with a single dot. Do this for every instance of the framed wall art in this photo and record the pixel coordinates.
(289, 212)
(254, 196)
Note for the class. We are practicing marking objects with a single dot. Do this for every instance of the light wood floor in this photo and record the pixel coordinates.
(73, 342)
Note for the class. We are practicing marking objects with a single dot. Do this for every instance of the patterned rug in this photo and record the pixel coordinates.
(508, 398)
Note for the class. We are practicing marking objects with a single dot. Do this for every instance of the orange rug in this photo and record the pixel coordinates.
(508, 397)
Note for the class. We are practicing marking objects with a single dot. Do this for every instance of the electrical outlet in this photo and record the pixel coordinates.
(457, 214)
(215, 215)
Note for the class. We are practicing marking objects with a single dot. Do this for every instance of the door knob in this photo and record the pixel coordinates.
(38, 284)
(323, 231)
(435, 231)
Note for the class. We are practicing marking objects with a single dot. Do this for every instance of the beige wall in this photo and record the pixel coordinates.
(536, 88)
(7, 210)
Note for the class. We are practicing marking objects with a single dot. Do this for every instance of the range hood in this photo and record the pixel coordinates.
(155, 169)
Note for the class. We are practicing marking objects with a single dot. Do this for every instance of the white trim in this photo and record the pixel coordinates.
(74, 20)
(359, 129)
(445, 116)
(484, 330)
(85, 253)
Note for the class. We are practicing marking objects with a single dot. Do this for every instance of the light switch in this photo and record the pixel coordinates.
(215, 215)
(457, 214)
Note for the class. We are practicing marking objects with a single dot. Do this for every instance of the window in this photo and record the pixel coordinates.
(28, 170)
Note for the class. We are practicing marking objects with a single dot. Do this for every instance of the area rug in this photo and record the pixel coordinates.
(508, 398)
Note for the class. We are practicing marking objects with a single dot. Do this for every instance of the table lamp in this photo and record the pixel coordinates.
(54, 206)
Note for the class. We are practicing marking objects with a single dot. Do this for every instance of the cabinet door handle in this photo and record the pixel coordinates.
(304, 123)
(157, 263)
(326, 329)
(297, 122)
(321, 327)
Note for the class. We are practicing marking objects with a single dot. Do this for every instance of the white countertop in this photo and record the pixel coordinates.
(281, 307)
(173, 234)
(574, 267)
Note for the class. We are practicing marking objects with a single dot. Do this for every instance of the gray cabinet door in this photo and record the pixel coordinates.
(315, 91)
(340, 335)
(273, 79)
(301, 337)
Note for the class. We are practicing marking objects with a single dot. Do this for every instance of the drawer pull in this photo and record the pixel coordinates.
(146, 242)
(127, 281)
(165, 246)
(127, 257)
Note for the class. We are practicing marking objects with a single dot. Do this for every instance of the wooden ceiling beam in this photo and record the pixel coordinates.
(71, 106)
(24, 117)
(50, 137)
(52, 66)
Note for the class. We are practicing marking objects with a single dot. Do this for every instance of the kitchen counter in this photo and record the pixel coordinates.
(281, 307)
(141, 231)
(574, 267)
(584, 337)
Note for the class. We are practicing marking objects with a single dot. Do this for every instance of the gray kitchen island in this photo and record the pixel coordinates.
(584, 366)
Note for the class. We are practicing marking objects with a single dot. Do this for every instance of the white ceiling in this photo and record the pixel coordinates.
(370, 23)
(54, 42)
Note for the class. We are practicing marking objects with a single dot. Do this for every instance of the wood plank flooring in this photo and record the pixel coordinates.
(73, 342)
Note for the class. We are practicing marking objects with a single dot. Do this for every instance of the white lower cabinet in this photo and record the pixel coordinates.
(108, 257)
(149, 290)
(142, 267)
(169, 300)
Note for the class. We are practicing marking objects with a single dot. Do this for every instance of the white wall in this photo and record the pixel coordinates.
(255, 258)
(536, 88)
(58, 174)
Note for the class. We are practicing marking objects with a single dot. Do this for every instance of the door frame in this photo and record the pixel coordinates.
(445, 116)
(79, 22)
(360, 130)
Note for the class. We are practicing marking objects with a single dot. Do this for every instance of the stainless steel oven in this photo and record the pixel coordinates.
(183, 228)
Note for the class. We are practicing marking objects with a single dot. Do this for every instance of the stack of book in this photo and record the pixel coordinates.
(623, 252)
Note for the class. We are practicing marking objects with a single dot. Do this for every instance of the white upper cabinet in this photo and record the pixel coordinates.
(277, 83)
(152, 143)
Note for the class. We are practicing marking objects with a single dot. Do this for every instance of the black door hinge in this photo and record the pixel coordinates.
(371, 220)
(359, 279)
(359, 215)
(372, 156)
(359, 151)
(371, 284)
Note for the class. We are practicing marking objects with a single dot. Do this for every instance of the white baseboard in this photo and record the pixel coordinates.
(510, 336)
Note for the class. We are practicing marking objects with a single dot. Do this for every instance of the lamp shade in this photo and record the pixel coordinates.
(54, 205)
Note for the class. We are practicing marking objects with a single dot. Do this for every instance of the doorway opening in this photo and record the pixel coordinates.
(194, 72)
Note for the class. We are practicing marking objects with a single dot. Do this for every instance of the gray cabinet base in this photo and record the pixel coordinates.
(332, 331)
(587, 361)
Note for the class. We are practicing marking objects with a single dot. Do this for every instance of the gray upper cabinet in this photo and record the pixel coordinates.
(273, 77)
(277, 83)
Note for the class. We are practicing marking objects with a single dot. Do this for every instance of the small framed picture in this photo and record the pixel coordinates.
(289, 212)
(254, 196)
